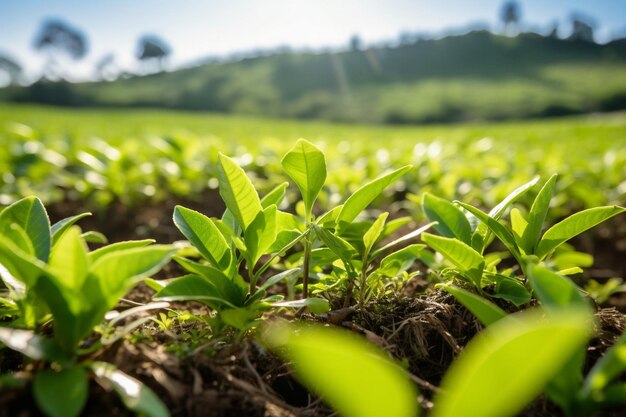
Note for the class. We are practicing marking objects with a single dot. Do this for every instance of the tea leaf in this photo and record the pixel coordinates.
(451, 222)
(30, 344)
(573, 226)
(316, 305)
(553, 290)
(118, 246)
(354, 377)
(526, 350)
(306, 166)
(610, 366)
(63, 393)
(29, 214)
(469, 262)
(237, 191)
(62, 226)
(373, 233)
(275, 196)
(261, 234)
(362, 197)
(204, 236)
(505, 236)
(68, 260)
(484, 310)
(537, 216)
(135, 395)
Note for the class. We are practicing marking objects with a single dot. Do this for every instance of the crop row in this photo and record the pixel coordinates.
(59, 292)
(131, 168)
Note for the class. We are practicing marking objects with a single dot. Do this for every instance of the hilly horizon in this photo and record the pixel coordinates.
(476, 76)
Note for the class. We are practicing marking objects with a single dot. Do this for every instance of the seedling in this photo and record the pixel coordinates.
(51, 272)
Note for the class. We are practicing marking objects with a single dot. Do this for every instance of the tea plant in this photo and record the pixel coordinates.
(463, 244)
(253, 228)
(51, 273)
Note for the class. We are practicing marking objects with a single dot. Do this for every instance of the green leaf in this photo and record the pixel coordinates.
(451, 222)
(92, 236)
(512, 290)
(204, 236)
(505, 236)
(62, 226)
(237, 191)
(20, 238)
(609, 367)
(525, 350)
(340, 247)
(306, 166)
(287, 275)
(194, 287)
(461, 255)
(118, 246)
(30, 344)
(275, 196)
(261, 234)
(29, 214)
(22, 266)
(373, 233)
(232, 288)
(484, 310)
(402, 239)
(68, 260)
(63, 393)
(239, 318)
(573, 226)
(316, 305)
(135, 395)
(498, 210)
(362, 197)
(118, 271)
(518, 225)
(553, 290)
(351, 375)
(397, 262)
(537, 216)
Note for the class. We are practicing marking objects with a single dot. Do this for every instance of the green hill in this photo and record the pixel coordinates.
(474, 76)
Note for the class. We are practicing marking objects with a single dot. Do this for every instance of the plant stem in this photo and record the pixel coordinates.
(305, 268)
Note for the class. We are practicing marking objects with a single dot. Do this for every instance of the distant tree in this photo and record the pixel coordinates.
(106, 68)
(355, 43)
(582, 28)
(12, 69)
(153, 50)
(59, 38)
(511, 14)
(554, 32)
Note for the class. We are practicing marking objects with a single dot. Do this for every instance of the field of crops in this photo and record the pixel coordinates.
(228, 267)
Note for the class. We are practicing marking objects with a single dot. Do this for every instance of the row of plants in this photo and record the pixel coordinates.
(131, 169)
(258, 261)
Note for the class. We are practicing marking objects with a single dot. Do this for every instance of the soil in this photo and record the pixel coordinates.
(424, 328)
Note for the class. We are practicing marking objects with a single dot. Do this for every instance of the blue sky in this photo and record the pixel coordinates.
(196, 29)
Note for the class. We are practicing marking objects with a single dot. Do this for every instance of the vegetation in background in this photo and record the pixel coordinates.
(477, 76)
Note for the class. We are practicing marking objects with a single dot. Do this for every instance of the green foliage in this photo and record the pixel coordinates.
(135, 396)
(525, 350)
(354, 377)
(63, 393)
(487, 312)
(237, 191)
(362, 197)
(502, 78)
(451, 222)
(469, 262)
(75, 287)
(306, 166)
